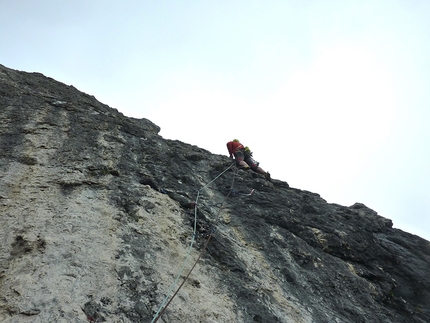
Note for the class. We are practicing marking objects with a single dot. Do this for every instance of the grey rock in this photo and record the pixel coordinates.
(97, 215)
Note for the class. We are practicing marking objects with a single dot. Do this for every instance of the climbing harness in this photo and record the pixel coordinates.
(166, 300)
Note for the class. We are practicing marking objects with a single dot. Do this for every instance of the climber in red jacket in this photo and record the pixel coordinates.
(236, 149)
(243, 157)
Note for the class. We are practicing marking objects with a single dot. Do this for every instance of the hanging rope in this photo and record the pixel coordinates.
(163, 305)
(157, 316)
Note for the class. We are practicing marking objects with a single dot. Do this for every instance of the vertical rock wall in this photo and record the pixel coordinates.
(95, 225)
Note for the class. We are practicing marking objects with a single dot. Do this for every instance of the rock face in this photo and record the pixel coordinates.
(97, 219)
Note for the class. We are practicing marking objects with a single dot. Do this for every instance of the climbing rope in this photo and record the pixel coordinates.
(166, 300)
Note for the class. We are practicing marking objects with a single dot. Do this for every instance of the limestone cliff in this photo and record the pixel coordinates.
(97, 219)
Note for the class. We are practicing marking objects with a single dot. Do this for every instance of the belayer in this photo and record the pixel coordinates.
(244, 159)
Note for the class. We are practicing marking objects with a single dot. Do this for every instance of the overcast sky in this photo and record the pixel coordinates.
(332, 96)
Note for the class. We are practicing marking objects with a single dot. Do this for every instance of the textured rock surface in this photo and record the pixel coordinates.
(95, 224)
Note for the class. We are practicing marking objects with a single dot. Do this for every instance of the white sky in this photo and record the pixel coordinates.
(332, 96)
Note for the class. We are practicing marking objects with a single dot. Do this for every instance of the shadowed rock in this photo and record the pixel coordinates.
(97, 215)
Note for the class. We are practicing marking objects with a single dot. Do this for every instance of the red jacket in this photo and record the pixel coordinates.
(232, 146)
